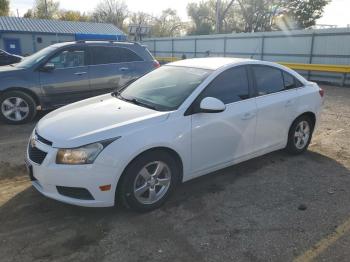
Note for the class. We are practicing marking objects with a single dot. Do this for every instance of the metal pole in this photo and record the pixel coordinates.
(311, 53)
(154, 47)
(225, 40)
(172, 48)
(195, 47)
(46, 10)
(262, 47)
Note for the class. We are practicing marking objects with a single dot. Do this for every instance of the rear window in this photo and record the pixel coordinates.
(112, 55)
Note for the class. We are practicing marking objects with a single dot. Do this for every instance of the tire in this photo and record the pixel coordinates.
(137, 177)
(300, 134)
(23, 108)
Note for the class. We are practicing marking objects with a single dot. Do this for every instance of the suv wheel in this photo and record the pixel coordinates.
(17, 107)
(148, 181)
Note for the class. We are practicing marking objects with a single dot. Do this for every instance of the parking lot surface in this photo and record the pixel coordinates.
(272, 208)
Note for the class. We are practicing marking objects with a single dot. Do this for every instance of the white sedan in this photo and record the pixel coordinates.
(181, 121)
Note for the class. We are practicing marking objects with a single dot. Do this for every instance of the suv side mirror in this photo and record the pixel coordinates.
(49, 67)
(211, 105)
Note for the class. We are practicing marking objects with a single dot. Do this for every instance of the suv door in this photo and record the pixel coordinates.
(220, 138)
(276, 101)
(111, 67)
(69, 81)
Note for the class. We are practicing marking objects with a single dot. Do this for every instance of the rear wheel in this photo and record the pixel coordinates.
(300, 135)
(17, 107)
(148, 181)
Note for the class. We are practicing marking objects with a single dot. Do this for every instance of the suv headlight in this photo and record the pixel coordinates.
(82, 155)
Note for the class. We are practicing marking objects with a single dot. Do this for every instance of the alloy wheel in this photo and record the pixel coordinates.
(152, 182)
(15, 108)
(302, 134)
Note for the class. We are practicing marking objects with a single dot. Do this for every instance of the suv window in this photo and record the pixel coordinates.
(111, 55)
(230, 86)
(268, 79)
(67, 58)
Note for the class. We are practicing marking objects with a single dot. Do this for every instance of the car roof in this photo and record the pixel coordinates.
(211, 63)
(95, 42)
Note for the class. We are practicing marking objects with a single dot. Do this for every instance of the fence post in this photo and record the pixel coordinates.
(311, 53)
(172, 48)
(225, 40)
(154, 47)
(262, 47)
(195, 47)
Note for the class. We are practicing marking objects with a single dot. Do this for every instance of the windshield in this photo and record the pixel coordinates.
(165, 88)
(35, 58)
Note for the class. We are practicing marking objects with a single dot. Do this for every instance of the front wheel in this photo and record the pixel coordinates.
(148, 181)
(300, 135)
(17, 107)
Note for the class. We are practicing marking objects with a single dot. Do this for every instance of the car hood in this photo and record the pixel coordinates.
(95, 119)
(9, 69)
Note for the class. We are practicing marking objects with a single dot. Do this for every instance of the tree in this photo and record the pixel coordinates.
(29, 14)
(68, 15)
(4, 7)
(111, 11)
(253, 15)
(202, 15)
(167, 24)
(47, 9)
(306, 12)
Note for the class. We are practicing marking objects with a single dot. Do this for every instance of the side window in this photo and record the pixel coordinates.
(230, 86)
(69, 58)
(101, 55)
(127, 55)
(112, 55)
(289, 81)
(268, 79)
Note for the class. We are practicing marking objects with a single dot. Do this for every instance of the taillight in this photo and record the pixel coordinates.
(321, 91)
(156, 64)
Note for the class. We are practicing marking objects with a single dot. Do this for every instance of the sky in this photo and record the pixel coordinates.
(336, 13)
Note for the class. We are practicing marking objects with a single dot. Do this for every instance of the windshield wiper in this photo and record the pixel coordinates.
(134, 101)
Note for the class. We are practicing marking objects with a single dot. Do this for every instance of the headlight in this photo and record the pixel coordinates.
(82, 155)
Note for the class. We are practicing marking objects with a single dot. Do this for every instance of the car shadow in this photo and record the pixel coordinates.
(270, 182)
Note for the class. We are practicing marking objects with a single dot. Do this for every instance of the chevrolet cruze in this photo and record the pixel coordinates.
(178, 122)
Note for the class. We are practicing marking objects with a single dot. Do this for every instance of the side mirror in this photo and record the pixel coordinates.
(49, 67)
(212, 105)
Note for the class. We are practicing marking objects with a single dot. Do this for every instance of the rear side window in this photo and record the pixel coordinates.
(268, 79)
(290, 81)
(112, 55)
(230, 86)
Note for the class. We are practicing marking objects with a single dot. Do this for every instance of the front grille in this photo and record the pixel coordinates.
(43, 140)
(75, 192)
(36, 155)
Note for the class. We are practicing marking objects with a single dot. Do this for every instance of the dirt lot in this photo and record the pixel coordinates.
(273, 208)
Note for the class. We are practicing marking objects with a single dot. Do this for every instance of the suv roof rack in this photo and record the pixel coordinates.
(107, 40)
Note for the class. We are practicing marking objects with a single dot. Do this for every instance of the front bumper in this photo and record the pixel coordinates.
(47, 176)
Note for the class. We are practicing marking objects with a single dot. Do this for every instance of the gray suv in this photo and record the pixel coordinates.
(67, 72)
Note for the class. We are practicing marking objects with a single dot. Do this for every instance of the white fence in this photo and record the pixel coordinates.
(323, 46)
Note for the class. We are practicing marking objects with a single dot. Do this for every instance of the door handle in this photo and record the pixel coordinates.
(123, 69)
(80, 73)
(247, 116)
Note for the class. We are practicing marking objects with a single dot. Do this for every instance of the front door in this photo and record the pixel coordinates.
(220, 138)
(13, 46)
(69, 81)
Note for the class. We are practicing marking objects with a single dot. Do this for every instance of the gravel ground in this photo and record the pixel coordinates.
(272, 208)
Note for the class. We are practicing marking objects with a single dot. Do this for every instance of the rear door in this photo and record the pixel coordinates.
(276, 101)
(69, 81)
(111, 67)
